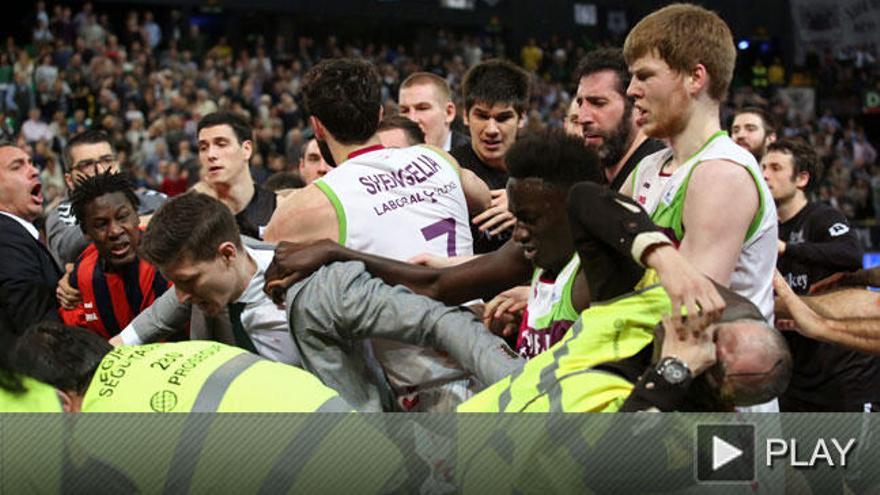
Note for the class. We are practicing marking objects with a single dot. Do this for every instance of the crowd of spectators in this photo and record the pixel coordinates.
(149, 83)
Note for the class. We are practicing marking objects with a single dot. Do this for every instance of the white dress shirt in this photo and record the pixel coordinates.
(265, 322)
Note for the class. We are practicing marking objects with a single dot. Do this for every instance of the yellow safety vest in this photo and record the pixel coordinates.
(37, 397)
(203, 376)
(563, 378)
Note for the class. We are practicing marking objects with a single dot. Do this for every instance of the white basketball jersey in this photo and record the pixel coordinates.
(663, 198)
(398, 203)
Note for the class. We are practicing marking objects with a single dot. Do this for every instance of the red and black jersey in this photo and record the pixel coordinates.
(111, 299)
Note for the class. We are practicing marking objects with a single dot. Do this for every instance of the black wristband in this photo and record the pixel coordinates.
(652, 390)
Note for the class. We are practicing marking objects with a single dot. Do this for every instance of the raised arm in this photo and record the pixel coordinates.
(615, 238)
(480, 278)
(860, 334)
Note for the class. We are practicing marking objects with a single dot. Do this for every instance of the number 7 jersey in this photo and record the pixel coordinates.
(400, 202)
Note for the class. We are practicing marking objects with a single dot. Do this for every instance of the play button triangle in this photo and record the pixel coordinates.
(723, 453)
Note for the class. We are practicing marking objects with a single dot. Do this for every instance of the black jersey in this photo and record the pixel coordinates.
(826, 376)
(495, 179)
(253, 218)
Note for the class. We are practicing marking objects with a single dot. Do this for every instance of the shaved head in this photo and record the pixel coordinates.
(753, 363)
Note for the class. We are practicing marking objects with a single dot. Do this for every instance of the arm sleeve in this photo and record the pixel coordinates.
(359, 306)
(652, 391)
(65, 241)
(165, 317)
(25, 297)
(606, 227)
(835, 245)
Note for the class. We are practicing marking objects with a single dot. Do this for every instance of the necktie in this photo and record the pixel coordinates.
(241, 337)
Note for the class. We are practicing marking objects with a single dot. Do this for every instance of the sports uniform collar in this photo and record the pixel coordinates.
(362, 151)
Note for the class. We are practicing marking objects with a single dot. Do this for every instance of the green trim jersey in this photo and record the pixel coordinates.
(203, 376)
(663, 197)
(400, 202)
(549, 313)
(565, 378)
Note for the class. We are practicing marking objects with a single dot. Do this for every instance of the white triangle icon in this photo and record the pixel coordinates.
(723, 453)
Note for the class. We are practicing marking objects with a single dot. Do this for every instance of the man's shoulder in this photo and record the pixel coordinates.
(150, 200)
(11, 228)
(819, 209)
(726, 150)
(63, 213)
(822, 216)
(648, 148)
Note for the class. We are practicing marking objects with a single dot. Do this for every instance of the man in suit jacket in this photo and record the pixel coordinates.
(28, 272)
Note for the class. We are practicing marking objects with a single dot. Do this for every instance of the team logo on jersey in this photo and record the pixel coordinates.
(838, 229)
(796, 237)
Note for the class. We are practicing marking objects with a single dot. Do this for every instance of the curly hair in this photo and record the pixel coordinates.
(89, 189)
(345, 95)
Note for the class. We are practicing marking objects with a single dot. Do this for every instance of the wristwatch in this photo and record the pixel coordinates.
(673, 370)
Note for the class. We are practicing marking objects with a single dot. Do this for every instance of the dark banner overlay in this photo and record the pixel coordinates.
(441, 453)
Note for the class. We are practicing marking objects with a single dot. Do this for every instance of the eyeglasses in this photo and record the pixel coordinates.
(102, 164)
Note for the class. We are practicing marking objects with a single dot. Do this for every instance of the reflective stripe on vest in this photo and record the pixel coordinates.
(214, 389)
(202, 376)
(556, 380)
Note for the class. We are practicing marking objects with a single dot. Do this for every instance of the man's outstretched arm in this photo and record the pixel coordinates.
(482, 277)
(860, 334)
(615, 238)
(342, 303)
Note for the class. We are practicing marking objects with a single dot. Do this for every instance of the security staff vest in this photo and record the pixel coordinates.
(203, 376)
(565, 378)
(37, 397)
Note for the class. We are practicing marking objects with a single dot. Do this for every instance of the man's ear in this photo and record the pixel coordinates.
(802, 179)
(248, 147)
(71, 402)
(68, 179)
(450, 112)
(228, 251)
(770, 138)
(318, 127)
(697, 79)
(522, 121)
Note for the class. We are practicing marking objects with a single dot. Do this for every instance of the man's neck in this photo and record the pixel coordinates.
(703, 123)
(235, 195)
(341, 151)
(246, 267)
(787, 210)
(499, 164)
(638, 137)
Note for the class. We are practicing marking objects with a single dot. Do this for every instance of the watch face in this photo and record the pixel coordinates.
(674, 371)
